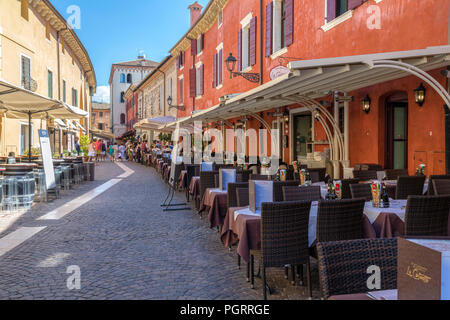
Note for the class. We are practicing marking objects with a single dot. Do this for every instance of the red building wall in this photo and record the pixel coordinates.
(404, 25)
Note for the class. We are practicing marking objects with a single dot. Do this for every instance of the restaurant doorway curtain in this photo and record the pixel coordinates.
(397, 131)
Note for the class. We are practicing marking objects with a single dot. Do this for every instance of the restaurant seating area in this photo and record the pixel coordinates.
(301, 227)
(23, 182)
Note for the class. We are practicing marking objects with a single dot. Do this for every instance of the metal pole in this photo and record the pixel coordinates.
(29, 136)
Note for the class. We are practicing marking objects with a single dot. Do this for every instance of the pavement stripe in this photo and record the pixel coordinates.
(128, 171)
(78, 202)
(17, 237)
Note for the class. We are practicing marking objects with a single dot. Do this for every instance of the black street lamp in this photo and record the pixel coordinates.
(231, 65)
(169, 102)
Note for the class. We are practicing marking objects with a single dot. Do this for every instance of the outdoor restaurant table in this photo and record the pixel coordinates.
(166, 172)
(244, 226)
(182, 180)
(215, 201)
(194, 187)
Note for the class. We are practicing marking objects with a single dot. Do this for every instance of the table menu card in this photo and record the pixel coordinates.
(259, 192)
(423, 269)
(383, 295)
(207, 166)
(226, 176)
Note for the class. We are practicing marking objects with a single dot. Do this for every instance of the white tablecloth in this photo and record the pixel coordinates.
(396, 206)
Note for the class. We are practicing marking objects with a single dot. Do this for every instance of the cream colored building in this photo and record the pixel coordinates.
(40, 52)
(154, 91)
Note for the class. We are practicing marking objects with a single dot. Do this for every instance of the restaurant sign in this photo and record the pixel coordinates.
(47, 159)
(278, 72)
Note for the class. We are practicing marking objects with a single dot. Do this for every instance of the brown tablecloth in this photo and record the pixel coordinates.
(194, 187)
(247, 230)
(182, 180)
(389, 225)
(215, 202)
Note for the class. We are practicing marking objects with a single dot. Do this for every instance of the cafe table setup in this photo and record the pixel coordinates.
(215, 203)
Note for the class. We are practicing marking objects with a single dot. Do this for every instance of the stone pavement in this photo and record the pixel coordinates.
(126, 247)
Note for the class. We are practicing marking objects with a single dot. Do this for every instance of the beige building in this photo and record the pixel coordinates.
(153, 93)
(101, 116)
(41, 53)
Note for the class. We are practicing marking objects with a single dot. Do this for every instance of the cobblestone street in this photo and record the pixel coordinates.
(126, 248)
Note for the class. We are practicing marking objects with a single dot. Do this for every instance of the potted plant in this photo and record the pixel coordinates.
(84, 143)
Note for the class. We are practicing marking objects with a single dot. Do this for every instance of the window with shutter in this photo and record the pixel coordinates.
(26, 72)
(240, 50)
(220, 66)
(269, 27)
(331, 10)
(215, 67)
(24, 9)
(192, 83)
(288, 22)
(50, 84)
(181, 91)
(202, 79)
(253, 29)
(64, 90)
(352, 4)
(194, 47)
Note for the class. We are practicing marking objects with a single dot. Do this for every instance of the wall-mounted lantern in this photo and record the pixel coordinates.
(419, 95)
(366, 104)
(231, 65)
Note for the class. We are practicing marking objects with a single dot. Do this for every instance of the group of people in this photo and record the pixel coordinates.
(98, 149)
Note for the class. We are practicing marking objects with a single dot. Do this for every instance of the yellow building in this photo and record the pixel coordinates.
(41, 53)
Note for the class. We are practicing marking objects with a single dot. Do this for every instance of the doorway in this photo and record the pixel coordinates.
(302, 129)
(397, 132)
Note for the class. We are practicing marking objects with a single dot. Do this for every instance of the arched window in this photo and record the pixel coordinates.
(129, 78)
(122, 118)
(122, 78)
(121, 97)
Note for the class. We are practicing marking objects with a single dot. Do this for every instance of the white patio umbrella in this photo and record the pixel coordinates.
(19, 103)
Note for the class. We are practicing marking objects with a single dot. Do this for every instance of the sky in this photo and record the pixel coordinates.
(118, 30)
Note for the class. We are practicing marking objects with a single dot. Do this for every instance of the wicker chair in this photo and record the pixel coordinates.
(232, 200)
(284, 239)
(207, 180)
(242, 197)
(245, 175)
(361, 190)
(409, 186)
(346, 194)
(278, 189)
(339, 220)
(343, 265)
(427, 216)
(192, 170)
(441, 187)
(217, 167)
(178, 169)
(394, 174)
(293, 193)
(365, 175)
(368, 166)
(430, 183)
(322, 172)
(260, 177)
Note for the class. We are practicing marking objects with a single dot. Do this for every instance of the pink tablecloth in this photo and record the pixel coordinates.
(182, 180)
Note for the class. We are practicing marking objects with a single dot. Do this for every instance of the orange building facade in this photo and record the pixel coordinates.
(266, 36)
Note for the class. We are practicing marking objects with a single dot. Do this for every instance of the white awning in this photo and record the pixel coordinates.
(19, 103)
(154, 123)
(79, 126)
(60, 124)
(312, 79)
